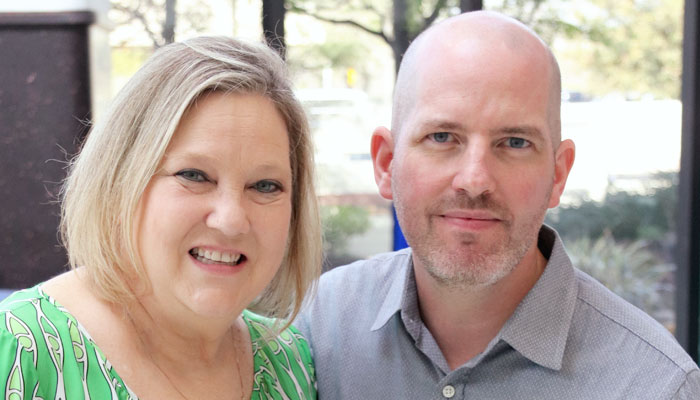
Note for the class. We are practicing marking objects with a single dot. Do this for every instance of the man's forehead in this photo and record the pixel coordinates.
(486, 50)
(472, 38)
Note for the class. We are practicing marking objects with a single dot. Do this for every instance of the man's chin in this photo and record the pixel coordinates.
(465, 270)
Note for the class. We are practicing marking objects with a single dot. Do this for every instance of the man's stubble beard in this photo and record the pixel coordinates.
(494, 262)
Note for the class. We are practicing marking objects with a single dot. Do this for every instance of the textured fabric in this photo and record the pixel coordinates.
(282, 364)
(569, 338)
(46, 354)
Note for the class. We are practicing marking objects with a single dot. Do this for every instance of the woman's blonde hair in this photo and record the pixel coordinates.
(122, 152)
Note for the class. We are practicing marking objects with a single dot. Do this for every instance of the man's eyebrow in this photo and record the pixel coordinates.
(524, 130)
(442, 125)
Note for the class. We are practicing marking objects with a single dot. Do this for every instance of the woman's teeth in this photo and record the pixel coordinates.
(213, 256)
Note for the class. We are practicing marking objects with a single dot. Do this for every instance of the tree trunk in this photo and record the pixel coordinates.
(273, 12)
(401, 34)
(470, 5)
(169, 24)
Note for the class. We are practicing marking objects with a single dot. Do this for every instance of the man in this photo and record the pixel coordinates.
(485, 304)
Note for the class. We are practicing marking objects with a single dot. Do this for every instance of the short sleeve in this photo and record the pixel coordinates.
(18, 358)
(283, 364)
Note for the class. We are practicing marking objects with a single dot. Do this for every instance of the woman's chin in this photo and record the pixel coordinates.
(216, 303)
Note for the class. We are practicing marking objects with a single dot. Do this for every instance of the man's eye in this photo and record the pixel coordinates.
(440, 137)
(193, 175)
(267, 186)
(518, 143)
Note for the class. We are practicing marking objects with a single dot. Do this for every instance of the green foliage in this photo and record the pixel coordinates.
(544, 17)
(371, 14)
(336, 52)
(648, 214)
(340, 222)
(631, 270)
(628, 47)
(633, 47)
(377, 18)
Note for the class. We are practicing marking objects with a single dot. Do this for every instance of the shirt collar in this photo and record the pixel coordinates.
(538, 328)
(540, 325)
(396, 295)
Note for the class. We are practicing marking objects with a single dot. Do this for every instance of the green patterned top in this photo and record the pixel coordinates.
(46, 354)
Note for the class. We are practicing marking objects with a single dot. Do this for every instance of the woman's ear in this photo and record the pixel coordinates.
(382, 151)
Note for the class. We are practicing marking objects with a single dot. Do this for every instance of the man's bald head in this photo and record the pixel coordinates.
(473, 38)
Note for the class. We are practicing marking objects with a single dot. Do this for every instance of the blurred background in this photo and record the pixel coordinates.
(621, 64)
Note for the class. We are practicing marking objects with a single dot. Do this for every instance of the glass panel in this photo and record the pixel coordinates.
(621, 65)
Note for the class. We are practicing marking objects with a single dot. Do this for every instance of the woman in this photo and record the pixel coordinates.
(189, 205)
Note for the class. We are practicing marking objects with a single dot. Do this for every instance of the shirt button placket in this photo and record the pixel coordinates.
(448, 391)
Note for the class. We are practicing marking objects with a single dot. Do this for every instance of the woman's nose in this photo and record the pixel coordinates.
(229, 215)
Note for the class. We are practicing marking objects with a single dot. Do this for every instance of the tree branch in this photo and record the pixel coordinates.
(369, 6)
(137, 15)
(439, 5)
(533, 11)
(356, 24)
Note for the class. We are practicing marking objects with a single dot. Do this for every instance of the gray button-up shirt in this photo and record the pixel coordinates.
(570, 338)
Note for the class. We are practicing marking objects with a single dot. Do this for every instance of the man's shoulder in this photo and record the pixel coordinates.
(352, 295)
(609, 319)
(367, 275)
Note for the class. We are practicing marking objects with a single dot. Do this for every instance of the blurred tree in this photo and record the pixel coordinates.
(548, 18)
(470, 5)
(396, 22)
(337, 52)
(634, 47)
(159, 19)
(340, 222)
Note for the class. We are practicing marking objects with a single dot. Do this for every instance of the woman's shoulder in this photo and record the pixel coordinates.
(282, 361)
(23, 314)
(21, 298)
(27, 307)
(45, 352)
(36, 309)
(31, 328)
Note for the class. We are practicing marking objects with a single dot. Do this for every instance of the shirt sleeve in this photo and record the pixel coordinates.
(18, 354)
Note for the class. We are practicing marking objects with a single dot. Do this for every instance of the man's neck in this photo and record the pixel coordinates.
(464, 320)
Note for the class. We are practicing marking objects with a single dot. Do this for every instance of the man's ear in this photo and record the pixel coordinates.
(563, 161)
(382, 151)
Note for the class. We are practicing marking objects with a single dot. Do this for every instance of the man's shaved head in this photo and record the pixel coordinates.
(474, 157)
(469, 38)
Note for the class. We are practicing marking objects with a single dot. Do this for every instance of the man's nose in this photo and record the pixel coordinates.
(228, 214)
(474, 171)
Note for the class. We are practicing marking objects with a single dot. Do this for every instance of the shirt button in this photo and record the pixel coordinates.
(448, 391)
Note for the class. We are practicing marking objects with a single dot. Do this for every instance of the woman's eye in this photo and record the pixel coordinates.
(267, 186)
(517, 143)
(440, 137)
(193, 175)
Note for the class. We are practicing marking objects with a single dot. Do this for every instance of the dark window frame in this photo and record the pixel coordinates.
(688, 242)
